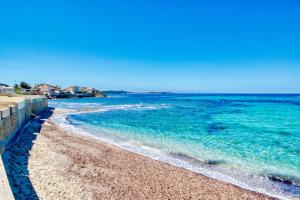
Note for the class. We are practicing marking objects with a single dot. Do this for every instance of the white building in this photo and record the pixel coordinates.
(90, 90)
(73, 89)
(47, 90)
(5, 89)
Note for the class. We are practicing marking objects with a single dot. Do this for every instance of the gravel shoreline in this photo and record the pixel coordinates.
(48, 162)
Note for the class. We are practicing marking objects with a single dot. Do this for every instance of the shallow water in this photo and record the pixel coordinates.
(249, 140)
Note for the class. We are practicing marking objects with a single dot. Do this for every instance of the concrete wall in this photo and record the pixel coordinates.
(15, 112)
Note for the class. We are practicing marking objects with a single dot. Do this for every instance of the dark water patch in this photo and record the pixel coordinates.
(297, 103)
(215, 127)
(239, 105)
(207, 117)
(234, 111)
(284, 133)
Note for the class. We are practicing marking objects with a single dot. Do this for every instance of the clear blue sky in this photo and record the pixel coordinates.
(169, 45)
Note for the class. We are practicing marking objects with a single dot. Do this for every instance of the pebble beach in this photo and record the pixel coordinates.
(48, 162)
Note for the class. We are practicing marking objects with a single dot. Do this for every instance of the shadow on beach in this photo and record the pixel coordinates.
(16, 157)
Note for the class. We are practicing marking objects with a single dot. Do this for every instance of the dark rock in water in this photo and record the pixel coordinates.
(280, 178)
(68, 118)
(214, 162)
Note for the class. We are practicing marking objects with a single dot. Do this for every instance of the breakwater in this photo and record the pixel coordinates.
(15, 112)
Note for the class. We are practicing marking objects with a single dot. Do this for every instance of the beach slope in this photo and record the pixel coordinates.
(64, 165)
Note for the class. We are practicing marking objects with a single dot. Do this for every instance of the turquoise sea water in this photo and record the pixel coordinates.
(249, 140)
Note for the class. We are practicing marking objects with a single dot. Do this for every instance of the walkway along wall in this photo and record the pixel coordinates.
(15, 112)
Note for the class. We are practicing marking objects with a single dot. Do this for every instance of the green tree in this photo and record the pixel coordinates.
(17, 89)
(25, 85)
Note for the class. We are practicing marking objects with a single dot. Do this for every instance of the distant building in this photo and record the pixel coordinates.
(73, 89)
(47, 90)
(90, 90)
(6, 89)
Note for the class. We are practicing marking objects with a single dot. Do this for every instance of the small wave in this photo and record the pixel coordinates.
(98, 107)
(120, 107)
(116, 96)
(74, 105)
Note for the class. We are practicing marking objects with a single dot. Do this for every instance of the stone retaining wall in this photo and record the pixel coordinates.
(15, 112)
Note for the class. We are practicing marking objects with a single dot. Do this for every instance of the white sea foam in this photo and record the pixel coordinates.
(116, 96)
(72, 105)
(106, 108)
(242, 179)
(131, 107)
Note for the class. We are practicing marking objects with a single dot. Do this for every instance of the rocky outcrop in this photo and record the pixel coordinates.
(99, 94)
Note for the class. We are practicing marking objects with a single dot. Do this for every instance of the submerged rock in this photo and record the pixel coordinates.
(214, 162)
(281, 179)
(214, 127)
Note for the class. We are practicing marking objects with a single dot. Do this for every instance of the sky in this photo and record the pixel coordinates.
(232, 46)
